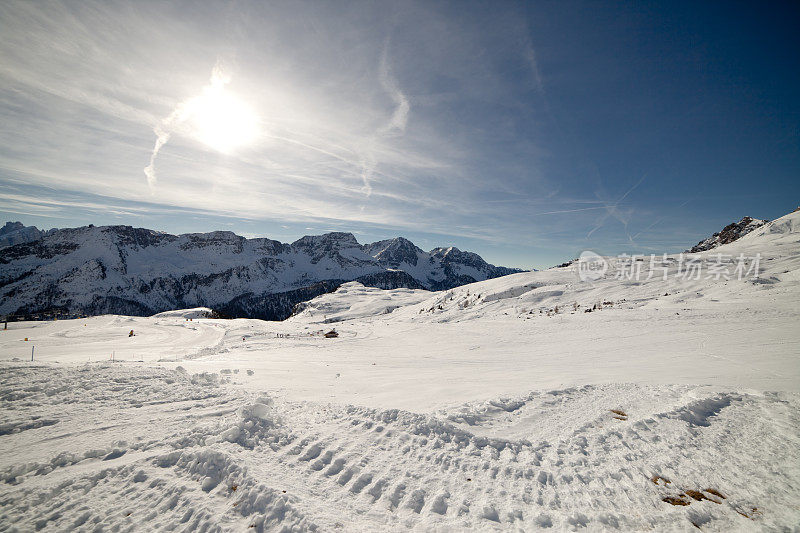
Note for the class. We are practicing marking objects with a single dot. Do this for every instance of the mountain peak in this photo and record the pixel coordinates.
(18, 233)
(11, 227)
(394, 252)
(334, 239)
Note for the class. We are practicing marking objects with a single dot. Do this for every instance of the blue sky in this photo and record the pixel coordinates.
(526, 132)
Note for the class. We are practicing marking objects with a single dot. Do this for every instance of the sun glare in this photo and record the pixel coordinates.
(222, 121)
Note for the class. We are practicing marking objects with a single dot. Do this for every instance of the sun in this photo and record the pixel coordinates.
(222, 121)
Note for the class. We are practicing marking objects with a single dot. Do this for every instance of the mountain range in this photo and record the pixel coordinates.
(134, 271)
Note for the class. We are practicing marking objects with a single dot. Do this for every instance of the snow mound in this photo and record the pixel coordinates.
(258, 425)
(701, 412)
(195, 312)
(353, 300)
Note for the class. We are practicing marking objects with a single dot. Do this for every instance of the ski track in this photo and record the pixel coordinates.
(189, 453)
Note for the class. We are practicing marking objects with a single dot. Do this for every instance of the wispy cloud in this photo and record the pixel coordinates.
(421, 120)
(337, 138)
(399, 119)
(395, 126)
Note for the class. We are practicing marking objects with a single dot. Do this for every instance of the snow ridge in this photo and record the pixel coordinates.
(729, 233)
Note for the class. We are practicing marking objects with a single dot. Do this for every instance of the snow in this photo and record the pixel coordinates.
(353, 300)
(729, 234)
(673, 405)
(195, 312)
(138, 271)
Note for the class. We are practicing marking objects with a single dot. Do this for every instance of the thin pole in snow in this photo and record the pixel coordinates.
(32, 348)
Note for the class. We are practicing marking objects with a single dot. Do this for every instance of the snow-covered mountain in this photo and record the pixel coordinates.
(559, 290)
(729, 233)
(16, 233)
(135, 271)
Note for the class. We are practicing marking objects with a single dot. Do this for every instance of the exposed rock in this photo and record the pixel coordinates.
(729, 233)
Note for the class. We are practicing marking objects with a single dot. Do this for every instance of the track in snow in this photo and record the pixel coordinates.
(198, 455)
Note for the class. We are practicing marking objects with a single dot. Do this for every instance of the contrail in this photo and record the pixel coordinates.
(611, 210)
(395, 127)
(179, 115)
(660, 219)
(397, 124)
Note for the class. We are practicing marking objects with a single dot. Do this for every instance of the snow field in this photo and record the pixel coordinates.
(158, 449)
(673, 405)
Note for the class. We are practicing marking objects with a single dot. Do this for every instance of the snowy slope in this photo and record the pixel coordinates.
(119, 269)
(355, 301)
(672, 405)
(197, 312)
(776, 243)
